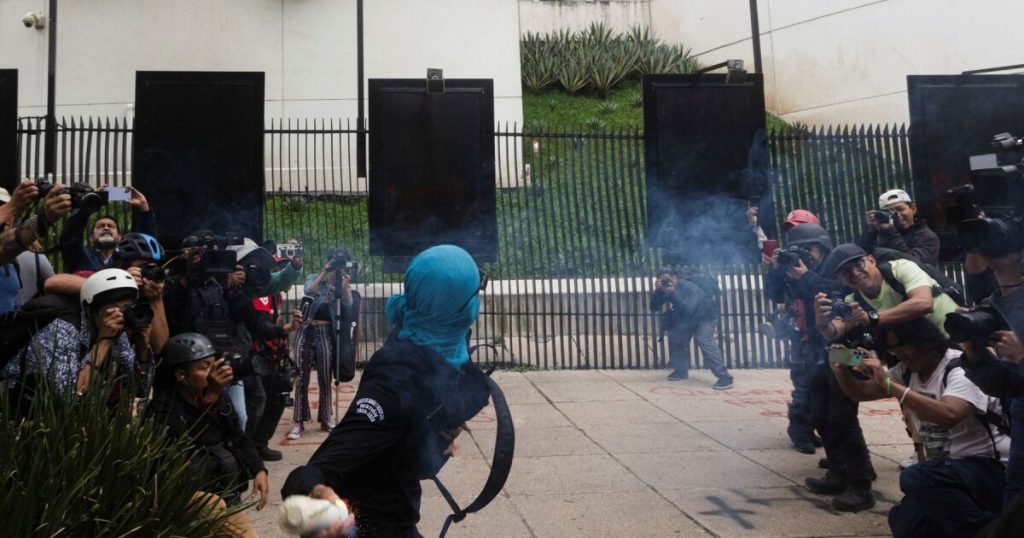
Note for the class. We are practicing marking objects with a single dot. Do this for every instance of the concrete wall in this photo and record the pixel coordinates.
(541, 16)
(306, 47)
(846, 61)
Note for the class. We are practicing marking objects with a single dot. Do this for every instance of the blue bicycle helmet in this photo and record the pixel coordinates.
(136, 246)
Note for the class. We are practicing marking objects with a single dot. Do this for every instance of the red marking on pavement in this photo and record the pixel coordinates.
(482, 417)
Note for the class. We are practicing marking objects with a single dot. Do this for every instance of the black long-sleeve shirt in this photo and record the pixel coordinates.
(390, 438)
(79, 256)
(918, 241)
(688, 305)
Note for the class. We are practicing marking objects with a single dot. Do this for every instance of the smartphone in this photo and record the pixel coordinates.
(119, 194)
(305, 306)
(847, 356)
(769, 247)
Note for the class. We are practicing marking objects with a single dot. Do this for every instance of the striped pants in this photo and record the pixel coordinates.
(315, 347)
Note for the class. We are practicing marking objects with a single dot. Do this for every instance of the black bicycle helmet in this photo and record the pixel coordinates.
(136, 246)
(809, 234)
(185, 348)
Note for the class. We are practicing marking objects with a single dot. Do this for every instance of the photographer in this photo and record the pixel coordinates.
(315, 344)
(792, 279)
(106, 345)
(893, 226)
(959, 486)
(23, 279)
(16, 239)
(387, 442)
(884, 294)
(192, 405)
(690, 312)
(104, 235)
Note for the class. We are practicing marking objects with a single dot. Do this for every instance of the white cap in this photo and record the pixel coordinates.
(4, 196)
(893, 196)
(247, 247)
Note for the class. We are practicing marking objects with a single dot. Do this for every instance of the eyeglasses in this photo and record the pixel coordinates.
(483, 286)
(848, 272)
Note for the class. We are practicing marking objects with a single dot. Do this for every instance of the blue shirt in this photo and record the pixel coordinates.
(10, 285)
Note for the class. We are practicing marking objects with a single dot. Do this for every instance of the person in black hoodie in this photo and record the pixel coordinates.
(792, 278)
(191, 403)
(415, 394)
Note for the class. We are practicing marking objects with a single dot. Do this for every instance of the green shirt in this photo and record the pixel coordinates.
(912, 277)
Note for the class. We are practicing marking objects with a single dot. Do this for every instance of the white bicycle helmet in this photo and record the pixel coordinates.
(108, 282)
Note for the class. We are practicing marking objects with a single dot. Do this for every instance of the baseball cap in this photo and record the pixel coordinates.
(797, 217)
(893, 196)
(5, 196)
(842, 257)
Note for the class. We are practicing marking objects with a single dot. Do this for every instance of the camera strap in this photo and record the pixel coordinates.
(501, 464)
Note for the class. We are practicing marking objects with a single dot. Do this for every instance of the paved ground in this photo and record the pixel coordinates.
(626, 453)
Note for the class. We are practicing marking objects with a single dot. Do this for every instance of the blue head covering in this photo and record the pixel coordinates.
(433, 311)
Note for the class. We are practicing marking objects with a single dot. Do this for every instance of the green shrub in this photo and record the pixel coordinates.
(84, 469)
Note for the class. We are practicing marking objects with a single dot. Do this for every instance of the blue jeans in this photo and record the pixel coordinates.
(1015, 466)
(236, 394)
(948, 497)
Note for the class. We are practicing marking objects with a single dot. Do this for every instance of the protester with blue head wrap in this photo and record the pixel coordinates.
(415, 395)
(440, 302)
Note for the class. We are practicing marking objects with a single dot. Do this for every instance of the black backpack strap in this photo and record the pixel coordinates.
(501, 464)
(986, 419)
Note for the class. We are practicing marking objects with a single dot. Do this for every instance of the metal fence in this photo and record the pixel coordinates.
(571, 287)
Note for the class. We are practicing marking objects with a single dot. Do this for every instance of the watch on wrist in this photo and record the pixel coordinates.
(873, 318)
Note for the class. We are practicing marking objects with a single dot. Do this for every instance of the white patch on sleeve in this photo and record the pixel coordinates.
(370, 408)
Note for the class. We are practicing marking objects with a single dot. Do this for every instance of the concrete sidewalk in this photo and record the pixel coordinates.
(626, 453)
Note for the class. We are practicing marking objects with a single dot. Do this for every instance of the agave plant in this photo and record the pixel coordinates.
(607, 108)
(76, 467)
(572, 74)
(597, 35)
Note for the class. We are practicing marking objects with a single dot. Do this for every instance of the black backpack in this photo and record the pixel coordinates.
(211, 317)
(1000, 421)
(946, 285)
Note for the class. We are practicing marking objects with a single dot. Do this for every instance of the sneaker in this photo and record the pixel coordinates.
(296, 432)
(831, 484)
(269, 454)
(723, 383)
(823, 463)
(327, 425)
(909, 461)
(803, 446)
(816, 441)
(677, 375)
(854, 500)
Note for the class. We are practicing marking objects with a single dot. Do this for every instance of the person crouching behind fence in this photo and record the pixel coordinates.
(690, 310)
(415, 394)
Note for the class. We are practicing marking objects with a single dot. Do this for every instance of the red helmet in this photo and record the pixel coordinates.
(797, 217)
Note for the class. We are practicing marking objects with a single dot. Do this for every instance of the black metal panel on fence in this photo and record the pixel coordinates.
(198, 151)
(432, 160)
(571, 287)
(8, 128)
(953, 117)
(706, 162)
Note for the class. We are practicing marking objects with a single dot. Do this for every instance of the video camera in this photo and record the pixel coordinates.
(997, 189)
(975, 325)
(83, 196)
(215, 259)
(211, 240)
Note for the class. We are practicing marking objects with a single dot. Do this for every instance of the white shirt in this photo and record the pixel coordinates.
(970, 437)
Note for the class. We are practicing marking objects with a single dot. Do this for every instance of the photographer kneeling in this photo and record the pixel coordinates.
(193, 405)
(959, 486)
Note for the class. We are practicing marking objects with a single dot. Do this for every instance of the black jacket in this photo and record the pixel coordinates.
(391, 436)
(82, 257)
(215, 432)
(919, 241)
(688, 306)
(784, 290)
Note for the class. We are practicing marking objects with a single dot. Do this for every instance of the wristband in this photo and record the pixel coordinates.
(888, 386)
(906, 390)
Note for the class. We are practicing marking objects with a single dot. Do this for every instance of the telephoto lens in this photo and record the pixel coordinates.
(975, 325)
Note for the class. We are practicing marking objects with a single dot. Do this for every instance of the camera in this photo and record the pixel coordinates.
(991, 236)
(153, 273)
(340, 259)
(83, 196)
(839, 307)
(289, 250)
(975, 325)
(137, 315)
(885, 216)
(34, 20)
(665, 282)
(243, 366)
(792, 256)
